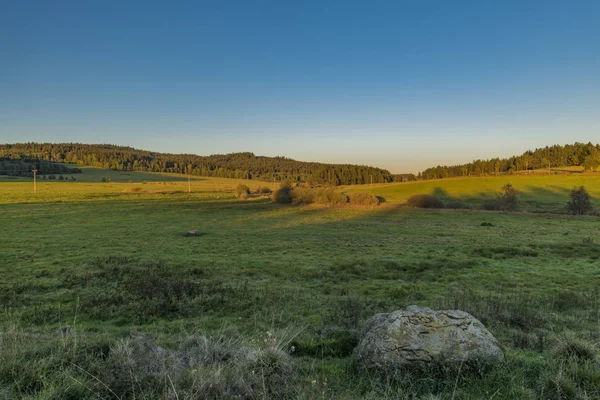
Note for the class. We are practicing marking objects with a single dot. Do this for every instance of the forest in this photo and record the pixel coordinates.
(20, 158)
(24, 167)
(570, 155)
(235, 165)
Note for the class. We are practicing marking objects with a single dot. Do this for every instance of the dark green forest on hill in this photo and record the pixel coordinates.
(24, 167)
(235, 165)
(20, 158)
(570, 155)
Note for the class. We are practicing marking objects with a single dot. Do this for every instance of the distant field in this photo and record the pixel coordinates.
(54, 190)
(92, 174)
(536, 192)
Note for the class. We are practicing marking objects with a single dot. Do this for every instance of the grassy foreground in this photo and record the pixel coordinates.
(105, 297)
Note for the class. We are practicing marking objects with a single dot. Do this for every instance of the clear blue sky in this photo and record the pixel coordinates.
(399, 84)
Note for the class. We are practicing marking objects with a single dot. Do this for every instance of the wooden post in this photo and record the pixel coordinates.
(34, 182)
(189, 184)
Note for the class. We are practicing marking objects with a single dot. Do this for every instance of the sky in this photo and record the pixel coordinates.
(402, 85)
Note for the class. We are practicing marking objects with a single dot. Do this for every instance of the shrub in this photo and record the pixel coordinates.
(363, 199)
(263, 190)
(242, 191)
(329, 196)
(318, 196)
(456, 205)
(580, 202)
(61, 178)
(283, 195)
(508, 199)
(303, 196)
(424, 201)
(491, 205)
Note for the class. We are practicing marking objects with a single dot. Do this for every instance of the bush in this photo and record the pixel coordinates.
(242, 191)
(363, 199)
(508, 199)
(456, 205)
(329, 196)
(424, 201)
(263, 190)
(317, 196)
(491, 205)
(283, 195)
(580, 202)
(303, 196)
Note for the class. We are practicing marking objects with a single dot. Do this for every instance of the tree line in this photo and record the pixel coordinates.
(235, 165)
(24, 167)
(578, 154)
(21, 158)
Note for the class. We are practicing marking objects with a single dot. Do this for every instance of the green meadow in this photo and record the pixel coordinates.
(105, 296)
(536, 192)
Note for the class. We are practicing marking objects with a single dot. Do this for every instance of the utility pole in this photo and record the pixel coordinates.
(34, 182)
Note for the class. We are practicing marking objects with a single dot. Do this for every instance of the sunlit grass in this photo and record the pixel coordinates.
(543, 192)
(55, 191)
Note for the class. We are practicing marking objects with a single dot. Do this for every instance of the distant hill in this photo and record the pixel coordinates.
(235, 165)
(586, 156)
(22, 157)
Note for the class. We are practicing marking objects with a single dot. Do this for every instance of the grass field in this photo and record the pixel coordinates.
(69, 191)
(105, 297)
(536, 192)
(92, 174)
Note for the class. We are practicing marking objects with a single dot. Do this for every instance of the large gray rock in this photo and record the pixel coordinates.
(417, 336)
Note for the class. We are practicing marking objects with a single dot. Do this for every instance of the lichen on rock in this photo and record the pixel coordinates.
(417, 336)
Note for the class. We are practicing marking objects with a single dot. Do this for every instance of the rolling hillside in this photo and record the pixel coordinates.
(536, 192)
